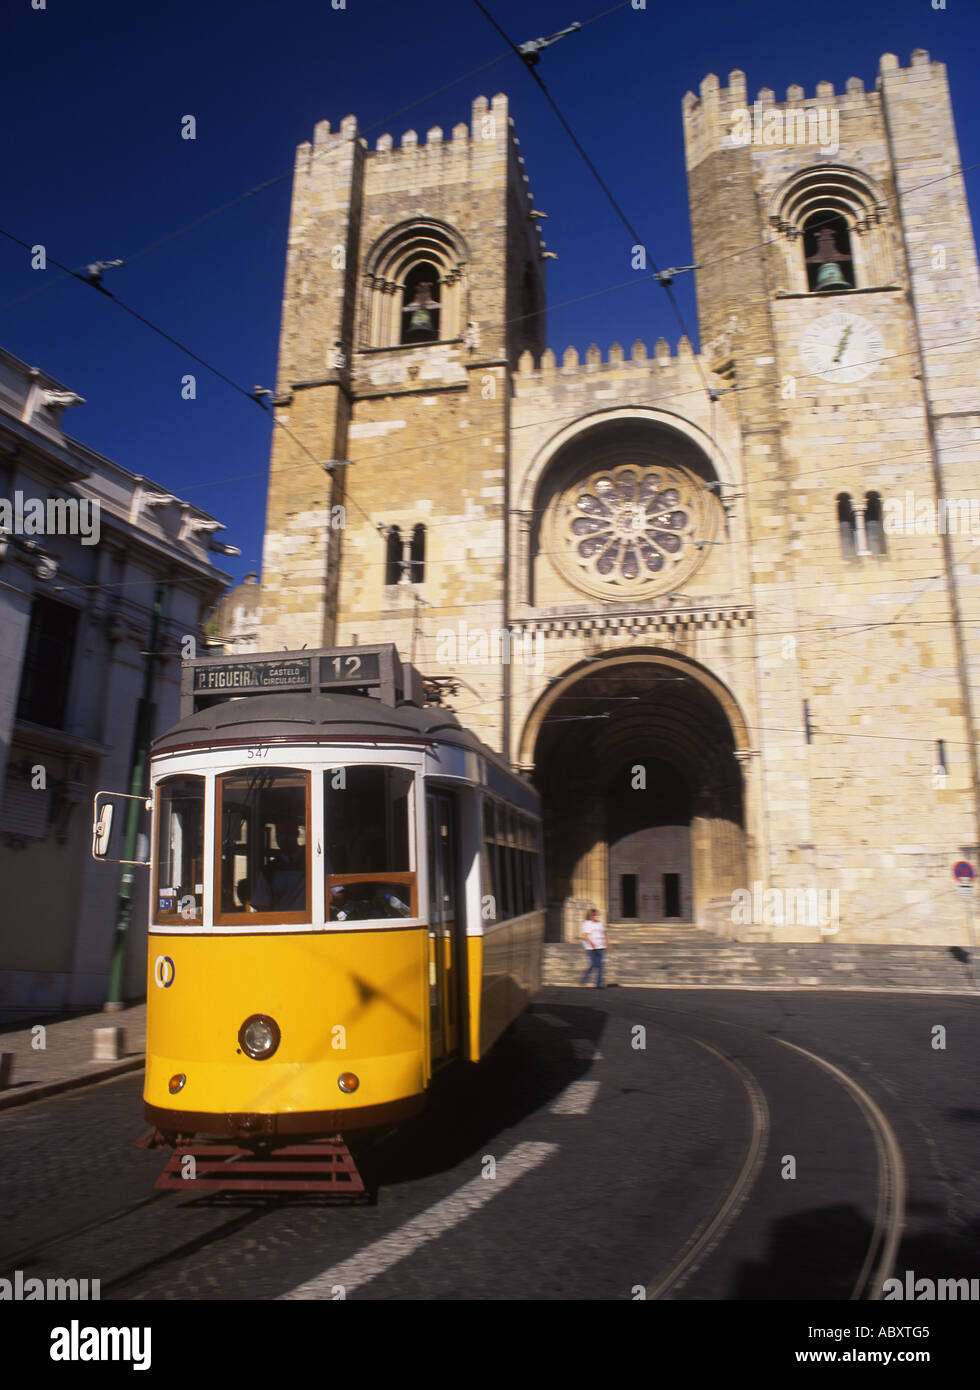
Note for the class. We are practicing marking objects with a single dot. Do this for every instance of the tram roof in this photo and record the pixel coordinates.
(312, 717)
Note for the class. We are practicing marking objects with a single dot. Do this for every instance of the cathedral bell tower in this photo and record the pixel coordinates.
(838, 296)
(414, 282)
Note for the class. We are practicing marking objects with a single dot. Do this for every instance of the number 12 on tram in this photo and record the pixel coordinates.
(345, 896)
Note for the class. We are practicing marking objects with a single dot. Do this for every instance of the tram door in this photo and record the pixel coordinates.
(443, 962)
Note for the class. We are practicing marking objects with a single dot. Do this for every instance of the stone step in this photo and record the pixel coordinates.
(722, 962)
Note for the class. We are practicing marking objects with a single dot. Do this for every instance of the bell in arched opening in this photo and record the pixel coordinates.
(420, 323)
(825, 265)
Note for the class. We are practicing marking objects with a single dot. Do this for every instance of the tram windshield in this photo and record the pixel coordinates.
(366, 826)
(264, 845)
(179, 897)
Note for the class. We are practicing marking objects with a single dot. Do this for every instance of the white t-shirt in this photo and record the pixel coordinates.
(597, 931)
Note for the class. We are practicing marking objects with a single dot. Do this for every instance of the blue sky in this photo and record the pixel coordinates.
(94, 169)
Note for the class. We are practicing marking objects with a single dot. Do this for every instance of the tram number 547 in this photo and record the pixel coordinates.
(258, 753)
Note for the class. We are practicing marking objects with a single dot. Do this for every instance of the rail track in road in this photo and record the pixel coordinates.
(891, 1177)
(726, 1121)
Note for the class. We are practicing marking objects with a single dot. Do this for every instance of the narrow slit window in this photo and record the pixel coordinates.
(845, 525)
(393, 555)
(874, 522)
(417, 555)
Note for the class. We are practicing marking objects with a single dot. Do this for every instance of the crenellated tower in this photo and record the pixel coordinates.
(839, 297)
(414, 282)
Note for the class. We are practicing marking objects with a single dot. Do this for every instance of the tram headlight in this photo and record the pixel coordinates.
(348, 1082)
(259, 1036)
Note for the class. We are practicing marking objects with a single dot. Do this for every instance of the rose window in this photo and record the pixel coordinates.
(632, 529)
(629, 522)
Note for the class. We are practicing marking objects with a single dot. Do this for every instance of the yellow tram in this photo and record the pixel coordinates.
(345, 896)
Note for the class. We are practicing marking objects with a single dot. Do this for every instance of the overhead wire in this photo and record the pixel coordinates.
(268, 183)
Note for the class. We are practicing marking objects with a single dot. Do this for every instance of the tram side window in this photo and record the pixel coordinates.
(523, 863)
(489, 862)
(179, 896)
(510, 856)
(500, 879)
(537, 891)
(504, 909)
(265, 865)
(367, 827)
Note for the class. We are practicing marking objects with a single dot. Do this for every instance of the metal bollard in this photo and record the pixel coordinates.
(108, 1044)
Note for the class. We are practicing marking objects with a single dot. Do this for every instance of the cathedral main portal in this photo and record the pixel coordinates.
(635, 760)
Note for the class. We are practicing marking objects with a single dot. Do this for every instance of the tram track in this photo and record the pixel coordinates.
(711, 1231)
(260, 1205)
(30, 1255)
(766, 1101)
(16, 1261)
(891, 1181)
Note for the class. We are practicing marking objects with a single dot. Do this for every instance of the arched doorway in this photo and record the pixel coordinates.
(648, 818)
(644, 811)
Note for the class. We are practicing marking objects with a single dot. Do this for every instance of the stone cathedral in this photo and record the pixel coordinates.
(723, 609)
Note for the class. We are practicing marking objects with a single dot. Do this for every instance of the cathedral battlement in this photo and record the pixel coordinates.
(639, 357)
(714, 95)
(640, 360)
(724, 117)
(423, 163)
(486, 117)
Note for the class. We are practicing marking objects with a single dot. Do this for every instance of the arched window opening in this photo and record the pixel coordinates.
(845, 524)
(874, 521)
(415, 287)
(827, 252)
(843, 219)
(417, 555)
(393, 556)
(420, 316)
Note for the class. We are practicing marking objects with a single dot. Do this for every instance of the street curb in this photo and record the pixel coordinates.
(963, 991)
(10, 1100)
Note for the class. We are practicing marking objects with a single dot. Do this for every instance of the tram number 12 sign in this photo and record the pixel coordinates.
(352, 668)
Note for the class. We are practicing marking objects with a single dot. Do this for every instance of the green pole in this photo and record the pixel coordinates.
(137, 788)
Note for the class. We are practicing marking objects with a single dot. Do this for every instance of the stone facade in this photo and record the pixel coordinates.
(672, 588)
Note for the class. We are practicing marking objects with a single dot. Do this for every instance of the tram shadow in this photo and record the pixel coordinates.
(819, 1255)
(469, 1105)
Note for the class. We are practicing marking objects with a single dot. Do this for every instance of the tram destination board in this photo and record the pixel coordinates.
(375, 670)
(239, 676)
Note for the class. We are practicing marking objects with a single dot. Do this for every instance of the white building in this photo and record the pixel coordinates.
(85, 547)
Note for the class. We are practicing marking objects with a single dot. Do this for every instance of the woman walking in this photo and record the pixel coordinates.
(595, 942)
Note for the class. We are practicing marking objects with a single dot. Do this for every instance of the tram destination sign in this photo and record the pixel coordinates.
(237, 677)
(369, 670)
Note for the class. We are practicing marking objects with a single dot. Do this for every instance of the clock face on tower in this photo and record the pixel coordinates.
(841, 347)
